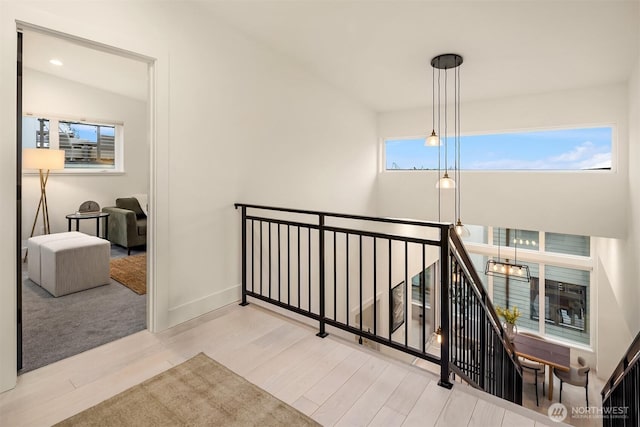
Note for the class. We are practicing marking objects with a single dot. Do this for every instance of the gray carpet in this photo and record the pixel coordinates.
(57, 328)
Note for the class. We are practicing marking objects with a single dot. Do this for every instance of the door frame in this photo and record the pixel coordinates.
(151, 125)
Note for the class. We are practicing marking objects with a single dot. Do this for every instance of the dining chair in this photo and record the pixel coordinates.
(577, 376)
(533, 370)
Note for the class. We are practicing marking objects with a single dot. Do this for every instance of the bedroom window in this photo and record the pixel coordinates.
(89, 147)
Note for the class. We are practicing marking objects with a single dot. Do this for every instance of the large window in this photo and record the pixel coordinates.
(561, 261)
(561, 149)
(87, 146)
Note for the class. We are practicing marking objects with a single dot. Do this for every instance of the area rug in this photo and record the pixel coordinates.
(131, 271)
(199, 392)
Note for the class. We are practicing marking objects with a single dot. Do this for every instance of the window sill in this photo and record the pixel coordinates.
(84, 172)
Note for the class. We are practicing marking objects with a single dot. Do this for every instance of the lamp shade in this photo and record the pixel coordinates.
(446, 183)
(42, 158)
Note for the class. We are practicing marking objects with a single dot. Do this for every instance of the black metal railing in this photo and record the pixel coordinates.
(360, 274)
(481, 354)
(621, 393)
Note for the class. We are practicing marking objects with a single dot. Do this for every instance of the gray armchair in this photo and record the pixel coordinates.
(127, 223)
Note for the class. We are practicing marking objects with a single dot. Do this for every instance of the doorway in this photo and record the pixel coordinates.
(92, 102)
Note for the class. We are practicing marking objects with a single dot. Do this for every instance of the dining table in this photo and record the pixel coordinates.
(555, 356)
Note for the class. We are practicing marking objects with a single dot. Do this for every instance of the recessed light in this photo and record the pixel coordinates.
(55, 61)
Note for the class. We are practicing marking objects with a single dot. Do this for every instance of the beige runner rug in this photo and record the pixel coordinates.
(131, 271)
(198, 392)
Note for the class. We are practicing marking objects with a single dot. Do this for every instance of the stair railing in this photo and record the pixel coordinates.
(621, 393)
(338, 269)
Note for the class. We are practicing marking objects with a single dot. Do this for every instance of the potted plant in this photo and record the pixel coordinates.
(510, 317)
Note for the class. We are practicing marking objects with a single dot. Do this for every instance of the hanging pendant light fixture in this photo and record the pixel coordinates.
(505, 268)
(433, 140)
(445, 62)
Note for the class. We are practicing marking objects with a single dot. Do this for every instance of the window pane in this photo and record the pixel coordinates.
(567, 303)
(524, 239)
(478, 234)
(35, 132)
(410, 154)
(567, 244)
(87, 145)
(513, 293)
(558, 149)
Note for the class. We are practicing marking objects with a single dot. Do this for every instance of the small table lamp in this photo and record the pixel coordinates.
(44, 160)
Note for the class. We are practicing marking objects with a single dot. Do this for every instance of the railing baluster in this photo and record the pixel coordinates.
(261, 267)
(269, 270)
(375, 286)
(335, 279)
(279, 265)
(253, 258)
(406, 291)
(389, 292)
(299, 278)
(244, 256)
(288, 264)
(473, 345)
(360, 277)
(321, 268)
(309, 264)
(347, 277)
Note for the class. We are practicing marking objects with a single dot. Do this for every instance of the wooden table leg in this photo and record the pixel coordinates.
(550, 380)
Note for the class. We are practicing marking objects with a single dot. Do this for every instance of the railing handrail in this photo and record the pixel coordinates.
(466, 261)
(492, 348)
(630, 358)
(439, 225)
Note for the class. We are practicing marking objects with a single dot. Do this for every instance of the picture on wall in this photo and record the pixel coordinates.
(397, 306)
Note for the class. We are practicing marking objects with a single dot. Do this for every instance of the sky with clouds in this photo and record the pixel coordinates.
(567, 149)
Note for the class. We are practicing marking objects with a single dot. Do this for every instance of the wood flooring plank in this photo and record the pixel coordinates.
(512, 419)
(405, 396)
(296, 387)
(458, 409)
(328, 385)
(387, 417)
(366, 407)
(267, 374)
(305, 406)
(486, 414)
(343, 399)
(428, 406)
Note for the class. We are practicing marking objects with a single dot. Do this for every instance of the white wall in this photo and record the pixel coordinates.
(577, 203)
(46, 94)
(234, 122)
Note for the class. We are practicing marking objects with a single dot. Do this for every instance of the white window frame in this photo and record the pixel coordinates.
(543, 258)
(614, 150)
(54, 142)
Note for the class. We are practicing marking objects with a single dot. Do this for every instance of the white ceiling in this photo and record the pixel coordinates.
(86, 65)
(380, 51)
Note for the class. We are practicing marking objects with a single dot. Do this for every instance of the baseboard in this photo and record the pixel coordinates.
(195, 308)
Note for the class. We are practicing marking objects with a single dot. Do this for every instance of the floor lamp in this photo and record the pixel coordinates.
(44, 160)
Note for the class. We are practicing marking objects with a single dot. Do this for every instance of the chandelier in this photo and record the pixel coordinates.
(440, 79)
(507, 269)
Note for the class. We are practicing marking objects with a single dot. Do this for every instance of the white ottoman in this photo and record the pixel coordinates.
(33, 248)
(72, 265)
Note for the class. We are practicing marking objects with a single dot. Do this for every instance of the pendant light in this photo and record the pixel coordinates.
(443, 63)
(505, 268)
(433, 140)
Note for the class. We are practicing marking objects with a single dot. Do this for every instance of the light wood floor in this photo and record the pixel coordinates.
(332, 380)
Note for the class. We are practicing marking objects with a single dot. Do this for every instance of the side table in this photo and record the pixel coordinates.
(90, 215)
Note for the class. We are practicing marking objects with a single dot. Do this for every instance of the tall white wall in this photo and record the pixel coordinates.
(577, 203)
(234, 122)
(47, 94)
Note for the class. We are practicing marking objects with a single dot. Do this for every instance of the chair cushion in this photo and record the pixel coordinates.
(130, 203)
